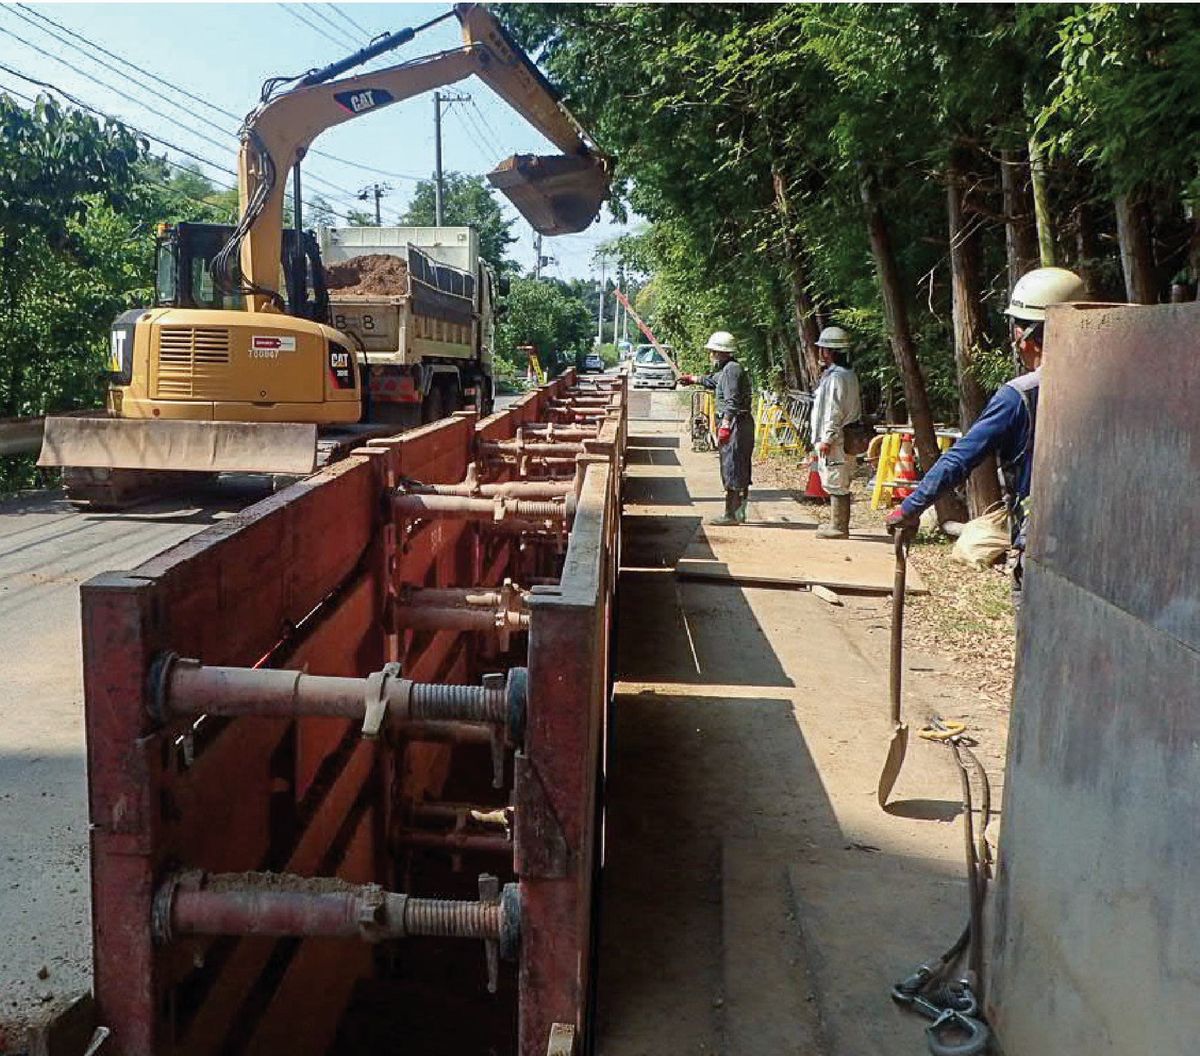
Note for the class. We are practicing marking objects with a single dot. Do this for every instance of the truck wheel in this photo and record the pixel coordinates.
(434, 406)
(452, 399)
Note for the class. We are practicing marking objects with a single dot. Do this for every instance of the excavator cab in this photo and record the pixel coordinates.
(183, 275)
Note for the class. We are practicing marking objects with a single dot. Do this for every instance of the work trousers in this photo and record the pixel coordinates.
(736, 454)
(835, 469)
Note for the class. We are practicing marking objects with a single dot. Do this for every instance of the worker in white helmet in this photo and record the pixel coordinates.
(1006, 426)
(837, 402)
(735, 423)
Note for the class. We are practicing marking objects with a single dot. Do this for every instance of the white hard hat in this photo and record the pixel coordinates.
(722, 341)
(834, 337)
(1036, 290)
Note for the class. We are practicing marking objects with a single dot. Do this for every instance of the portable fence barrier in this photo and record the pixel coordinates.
(885, 450)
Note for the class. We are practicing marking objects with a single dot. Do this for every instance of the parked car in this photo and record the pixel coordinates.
(593, 363)
(651, 370)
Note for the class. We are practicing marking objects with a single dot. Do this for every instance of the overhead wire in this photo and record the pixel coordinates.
(32, 101)
(316, 12)
(191, 95)
(337, 10)
(291, 9)
(192, 155)
(315, 177)
(487, 128)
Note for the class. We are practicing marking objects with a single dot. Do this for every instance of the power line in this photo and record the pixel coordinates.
(472, 135)
(316, 178)
(141, 69)
(192, 96)
(337, 10)
(153, 183)
(116, 91)
(345, 37)
(292, 9)
(133, 128)
(487, 129)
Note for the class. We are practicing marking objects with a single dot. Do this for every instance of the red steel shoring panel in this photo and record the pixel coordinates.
(226, 595)
(563, 739)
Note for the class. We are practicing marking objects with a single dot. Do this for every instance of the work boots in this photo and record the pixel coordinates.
(839, 519)
(743, 505)
(733, 499)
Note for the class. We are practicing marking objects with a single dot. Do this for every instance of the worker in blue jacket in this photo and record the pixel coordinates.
(1006, 426)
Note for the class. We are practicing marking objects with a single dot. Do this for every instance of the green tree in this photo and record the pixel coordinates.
(360, 218)
(544, 314)
(73, 252)
(466, 201)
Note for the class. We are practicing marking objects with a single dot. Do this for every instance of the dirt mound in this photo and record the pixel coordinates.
(375, 273)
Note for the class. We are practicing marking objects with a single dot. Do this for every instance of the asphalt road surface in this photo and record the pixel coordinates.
(47, 549)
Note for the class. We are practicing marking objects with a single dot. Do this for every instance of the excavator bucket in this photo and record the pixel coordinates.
(558, 194)
(195, 446)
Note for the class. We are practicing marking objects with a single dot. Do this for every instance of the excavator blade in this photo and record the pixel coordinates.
(198, 446)
(559, 194)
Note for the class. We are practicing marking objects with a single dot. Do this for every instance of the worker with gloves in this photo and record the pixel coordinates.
(735, 424)
(1006, 426)
(837, 402)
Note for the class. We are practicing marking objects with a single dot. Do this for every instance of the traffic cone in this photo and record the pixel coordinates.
(814, 489)
(906, 469)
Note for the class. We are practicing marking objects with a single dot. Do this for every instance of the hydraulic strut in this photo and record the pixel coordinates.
(284, 906)
(383, 702)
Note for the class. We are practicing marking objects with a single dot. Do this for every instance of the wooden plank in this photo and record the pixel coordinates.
(792, 555)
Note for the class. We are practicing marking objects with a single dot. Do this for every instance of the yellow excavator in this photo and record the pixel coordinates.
(236, 369)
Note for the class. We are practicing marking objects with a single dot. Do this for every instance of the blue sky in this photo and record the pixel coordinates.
(223, 52)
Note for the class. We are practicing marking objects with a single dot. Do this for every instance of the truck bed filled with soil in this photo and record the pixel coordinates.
(373, 274)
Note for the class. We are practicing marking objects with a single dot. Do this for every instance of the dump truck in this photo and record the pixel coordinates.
(245, 381)
(420, 306)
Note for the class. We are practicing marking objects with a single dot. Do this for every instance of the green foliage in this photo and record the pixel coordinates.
(73, 252)
(466, 200)
(542, 313)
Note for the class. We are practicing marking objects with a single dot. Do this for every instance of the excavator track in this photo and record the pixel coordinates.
(120, 489)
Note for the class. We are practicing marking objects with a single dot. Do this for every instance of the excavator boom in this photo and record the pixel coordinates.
(556, 194)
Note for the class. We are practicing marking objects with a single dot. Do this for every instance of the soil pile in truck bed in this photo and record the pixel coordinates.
(374, 274)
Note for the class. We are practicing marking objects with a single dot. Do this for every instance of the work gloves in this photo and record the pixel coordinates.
(724, 433)
(898, 519)
(688, 379)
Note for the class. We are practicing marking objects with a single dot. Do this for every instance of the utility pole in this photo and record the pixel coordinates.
(376, 191)
(600, 311)
(618, 318)
(537, 260)
(439, 98)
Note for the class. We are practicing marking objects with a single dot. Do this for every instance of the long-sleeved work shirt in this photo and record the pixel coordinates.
(836, 403)
(1005, 429)
(732, 387)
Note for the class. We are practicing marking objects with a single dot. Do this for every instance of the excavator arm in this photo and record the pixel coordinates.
(557, 195)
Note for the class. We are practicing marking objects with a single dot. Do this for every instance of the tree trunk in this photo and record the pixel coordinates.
(1137, 252)
(1087, 249)
(983, 486)
(803, 310)
(896, 313)
(1020, 233)
(1041, 205)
